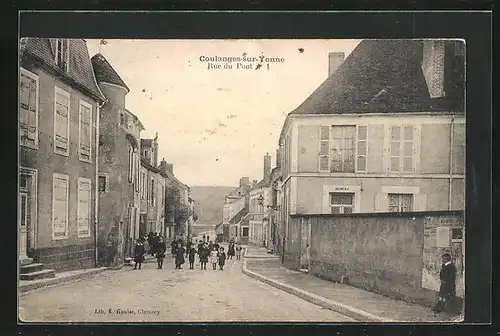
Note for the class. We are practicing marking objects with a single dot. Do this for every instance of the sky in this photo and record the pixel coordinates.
(215, 125)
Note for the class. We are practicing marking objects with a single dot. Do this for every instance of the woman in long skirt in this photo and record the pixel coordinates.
(179, 256)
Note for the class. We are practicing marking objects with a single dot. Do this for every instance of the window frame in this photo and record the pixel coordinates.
(58, 90)
(66, 53)
(400, 201)
(66, 178)
(35, 77)
(84, 180)
(342, 206)
(106, 179)
(90, 107)
(357, 155)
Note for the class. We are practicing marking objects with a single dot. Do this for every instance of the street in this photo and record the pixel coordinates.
(169, 295)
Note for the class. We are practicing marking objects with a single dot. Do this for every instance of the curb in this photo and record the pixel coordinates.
(56, 281)
(338, 307)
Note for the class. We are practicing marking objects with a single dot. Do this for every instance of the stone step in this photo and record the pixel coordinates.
(30, 268)
(43, 274)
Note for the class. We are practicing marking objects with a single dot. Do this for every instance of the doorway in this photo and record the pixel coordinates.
(26, 212)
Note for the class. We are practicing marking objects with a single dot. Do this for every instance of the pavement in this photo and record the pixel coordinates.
(348, 300)
(169, 295)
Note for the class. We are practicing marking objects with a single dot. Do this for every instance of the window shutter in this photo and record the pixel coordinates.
(420, 202)
(381, 202)
(84, 198)
(386, 159)
(416, 148)
(53, 43)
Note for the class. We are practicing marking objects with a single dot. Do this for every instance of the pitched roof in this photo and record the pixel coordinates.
(242, 213)
(79, 65)
(104, 72)
(136, 118)
(378, 76)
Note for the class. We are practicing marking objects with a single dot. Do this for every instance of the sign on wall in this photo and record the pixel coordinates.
(443, 234)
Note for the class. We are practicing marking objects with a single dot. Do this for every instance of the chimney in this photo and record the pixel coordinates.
(334, 61)
(433, 67)
(244, 182)
(170, 168)
(278, 157)
(267, 167)
(163, 166)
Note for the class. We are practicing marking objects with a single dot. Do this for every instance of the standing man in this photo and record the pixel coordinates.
(447, 275)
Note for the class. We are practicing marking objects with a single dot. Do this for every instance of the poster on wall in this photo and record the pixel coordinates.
(442, 235)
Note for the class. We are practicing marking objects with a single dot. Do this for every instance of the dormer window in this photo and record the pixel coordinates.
(62, 54)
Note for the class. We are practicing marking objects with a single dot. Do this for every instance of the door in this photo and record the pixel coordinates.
(23, 225)
(305, 241)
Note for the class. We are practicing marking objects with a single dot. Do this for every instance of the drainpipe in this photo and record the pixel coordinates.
(451, 163)
(96, 209)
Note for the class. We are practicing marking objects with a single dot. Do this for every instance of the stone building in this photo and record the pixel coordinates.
(234, 208)
(385, 132)
(119, 162)
(58, 154)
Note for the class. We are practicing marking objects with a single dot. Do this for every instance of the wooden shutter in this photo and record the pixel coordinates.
(324, 148)
(60, 206)
(387, 152)
(61, 122)
(130, 166)
(416, 148)
(85, 130)
(381, 203)
(84, 201)
(362, 148)
(419, 202)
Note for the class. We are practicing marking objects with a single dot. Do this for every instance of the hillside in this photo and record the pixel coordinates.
(208, 203)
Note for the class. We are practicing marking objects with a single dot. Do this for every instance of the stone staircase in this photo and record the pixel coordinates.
(35, 271)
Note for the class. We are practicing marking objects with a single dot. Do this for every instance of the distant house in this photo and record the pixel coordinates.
(260, 208)
(385, 132)
(234, 203)
(58, 153)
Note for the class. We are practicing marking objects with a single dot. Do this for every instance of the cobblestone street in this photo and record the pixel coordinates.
(169, 295)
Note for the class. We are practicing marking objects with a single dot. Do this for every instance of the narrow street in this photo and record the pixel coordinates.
(169, 295)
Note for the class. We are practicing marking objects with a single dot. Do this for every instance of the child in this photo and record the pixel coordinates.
(204, 256)
(214, 258)
(447, 276)
(138, 253)
(191, 253)
(222, 258)
(238, 252)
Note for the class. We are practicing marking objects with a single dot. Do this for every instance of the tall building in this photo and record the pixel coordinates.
(385, 132)
(119, 163)
(58, 149)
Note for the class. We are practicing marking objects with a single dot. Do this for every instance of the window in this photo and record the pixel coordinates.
(84, 202)
(362, 148)
(337, 149)
(324, 148)
(85, 125)
(245, 232)
(400, 202)
(103, 184)
(144, 187)
(343, 140)
(28, 112)
(61, 122)
(401, 148)
(62, 54)
(341, 203)
(136, 172)
(130, 164)
(152, 191)
(60, 195)
(23, 209)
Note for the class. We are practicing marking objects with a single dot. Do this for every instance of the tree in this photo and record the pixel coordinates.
(175, 208)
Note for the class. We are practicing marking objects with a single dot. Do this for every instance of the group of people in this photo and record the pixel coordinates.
(153, 244)
(208, 251)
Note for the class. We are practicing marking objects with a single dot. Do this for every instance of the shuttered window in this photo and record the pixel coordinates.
(343, 149)
(61, 122)
(62, 51)
(130, 164)
(60, 187)
(28, 113)
(324, 148)
(402, 148)
(362, 148)
(85, 130)
(84, 203)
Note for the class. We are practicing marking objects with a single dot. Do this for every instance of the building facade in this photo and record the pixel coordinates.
(380, 135)
(58, 149)
(119, 162)
(235, 203)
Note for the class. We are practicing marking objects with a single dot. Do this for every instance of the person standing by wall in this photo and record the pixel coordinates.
(447, 290)
(138, 253)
